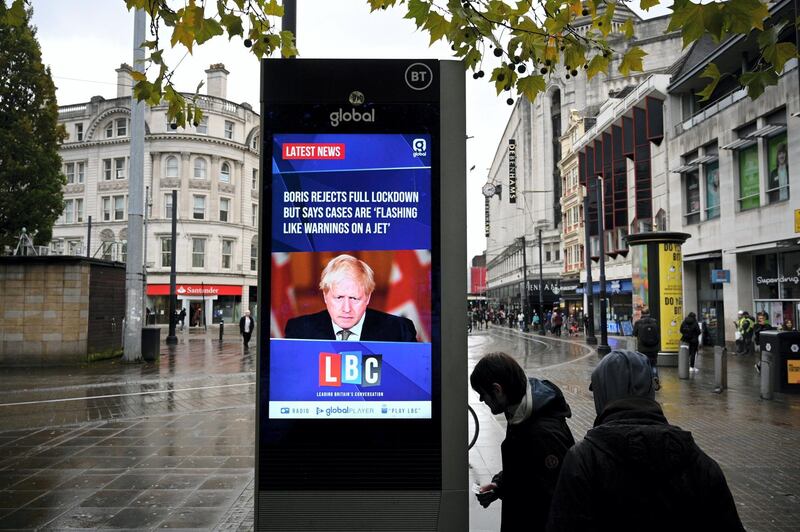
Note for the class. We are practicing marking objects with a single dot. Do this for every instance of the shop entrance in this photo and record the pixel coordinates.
(196, 313)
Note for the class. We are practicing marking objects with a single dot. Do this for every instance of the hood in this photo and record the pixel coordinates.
(548, 399)
(621, 374)
(634, 433)
(691, 320)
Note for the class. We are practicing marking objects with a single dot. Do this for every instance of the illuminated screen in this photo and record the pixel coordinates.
(350, 309)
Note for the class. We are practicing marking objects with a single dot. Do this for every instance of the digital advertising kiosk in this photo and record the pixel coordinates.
(362, 352)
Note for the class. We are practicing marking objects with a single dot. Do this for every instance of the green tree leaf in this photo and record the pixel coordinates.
(757, 82)
(711, 72)
(597, 64)
(233, 24)
(418, 10)
(741, 16)
(627, 28)
(273, 9)
(778, 54)
(531, 85)
(632, 61)
(437, 26)
(645, 5)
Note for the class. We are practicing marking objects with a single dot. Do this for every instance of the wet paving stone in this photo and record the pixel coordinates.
(187, 459)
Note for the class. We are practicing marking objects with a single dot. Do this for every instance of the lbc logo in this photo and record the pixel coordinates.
(349, 367)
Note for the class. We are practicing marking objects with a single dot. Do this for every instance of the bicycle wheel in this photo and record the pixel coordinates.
(473, 426)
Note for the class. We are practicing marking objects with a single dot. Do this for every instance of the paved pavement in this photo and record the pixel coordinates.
(170, 445)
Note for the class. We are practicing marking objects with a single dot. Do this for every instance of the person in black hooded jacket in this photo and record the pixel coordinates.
(634, 471)
(690, 334)
(537, 438)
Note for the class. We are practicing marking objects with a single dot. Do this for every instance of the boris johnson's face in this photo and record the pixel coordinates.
(346, 302)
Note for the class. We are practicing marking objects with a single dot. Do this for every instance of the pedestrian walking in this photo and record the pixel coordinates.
(648, 341)
(558, 321)
(744, 333)
(521, 320)
(535, 321)
(634, 471)
(182, 317)
(246, 326)
(690, 335)
(762, 324)
(537, 438)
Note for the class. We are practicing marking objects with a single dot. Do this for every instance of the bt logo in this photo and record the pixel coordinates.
(350, 367)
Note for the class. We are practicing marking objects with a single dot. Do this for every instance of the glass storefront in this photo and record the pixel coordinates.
(776, 278)
(710, 309)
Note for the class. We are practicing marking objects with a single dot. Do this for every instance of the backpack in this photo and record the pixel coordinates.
(648, 334)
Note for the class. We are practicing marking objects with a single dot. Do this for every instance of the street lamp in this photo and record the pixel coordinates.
(539, 225)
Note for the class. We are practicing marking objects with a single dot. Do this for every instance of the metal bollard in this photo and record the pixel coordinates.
(683, 362)
(767, 375)
(221, 329)
(720, 368)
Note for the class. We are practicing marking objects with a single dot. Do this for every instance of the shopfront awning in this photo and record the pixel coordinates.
(703, 256)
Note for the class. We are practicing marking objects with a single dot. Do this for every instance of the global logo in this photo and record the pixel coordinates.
(337, 117)
(356, 98)
(419, 147)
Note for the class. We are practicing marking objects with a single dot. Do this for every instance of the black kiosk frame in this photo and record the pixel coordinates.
(372, 472)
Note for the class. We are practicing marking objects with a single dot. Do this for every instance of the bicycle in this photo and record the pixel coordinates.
(473, 418)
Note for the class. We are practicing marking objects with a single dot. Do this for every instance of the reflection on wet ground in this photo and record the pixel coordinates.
(170, 445)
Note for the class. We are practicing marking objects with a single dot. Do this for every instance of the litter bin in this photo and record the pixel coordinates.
(151, 343)
(785, 347)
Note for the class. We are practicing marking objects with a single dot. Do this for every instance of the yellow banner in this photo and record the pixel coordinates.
(793, 371)
(670, 284)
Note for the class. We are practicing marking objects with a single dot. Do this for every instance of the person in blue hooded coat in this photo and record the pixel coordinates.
(634, 471)
(537, 438)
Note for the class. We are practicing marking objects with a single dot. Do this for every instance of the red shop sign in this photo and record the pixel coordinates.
(197, 290)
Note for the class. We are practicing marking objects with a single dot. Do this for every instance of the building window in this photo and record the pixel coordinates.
(558, 255)
(198, 252)
(227, 253)
(225, 173)
(78, 132)
(254, 253)
(166, 252)
(119, 168)
(75, 247)
(122, 127)
(107, 209)
(547, 256)
(228, 129)
(107, 169)
(199, 209)
(255, 142)
(254, 183)
(68, 206)
(75, 172)
(748, 178)
(108, 248)
(692, 184)
(110, 130)
(224, 208)
(778, 160)
(78, 210)
(254, 221)
(172, 166)
(119, 207)
(202, 126)
(712, 190)
(124, 251)
(199, 168)
(168, 206)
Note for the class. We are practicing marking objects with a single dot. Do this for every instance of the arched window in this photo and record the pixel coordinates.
(123, 245)
(225, 173)
(172, 166)
(200, 168)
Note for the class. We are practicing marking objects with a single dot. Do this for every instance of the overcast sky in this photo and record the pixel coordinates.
(84, 41)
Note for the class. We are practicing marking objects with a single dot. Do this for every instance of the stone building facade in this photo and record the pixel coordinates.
(536, 129)
(214, 167)
(734, 185)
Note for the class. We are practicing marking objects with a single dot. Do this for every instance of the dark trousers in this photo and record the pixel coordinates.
(246, 336)
(692, 353)
(652, 356)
